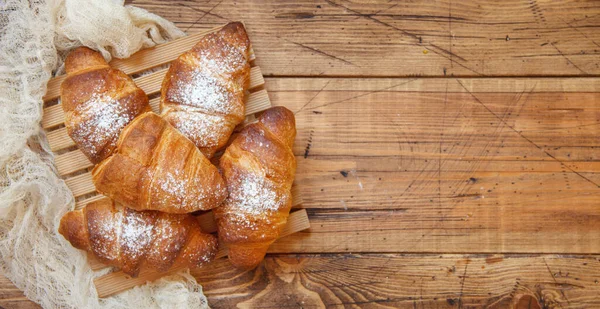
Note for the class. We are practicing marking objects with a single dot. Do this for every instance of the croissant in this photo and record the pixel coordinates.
(154, 167)
(259, 168)
(132, 240)
(98, 102)
(203, 93)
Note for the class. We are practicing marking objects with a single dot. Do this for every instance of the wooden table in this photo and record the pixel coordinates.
(448, 153)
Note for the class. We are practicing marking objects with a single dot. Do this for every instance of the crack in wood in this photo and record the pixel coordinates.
(366, 94)
(568, 60)
(311, 99)
(556, 282)
(462, 285)
(209, 12)
(320, 52)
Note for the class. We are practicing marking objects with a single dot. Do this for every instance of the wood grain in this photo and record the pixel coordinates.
(421, 166)
(395, 281)
(407, 38)
(407, 281)
(390, 165)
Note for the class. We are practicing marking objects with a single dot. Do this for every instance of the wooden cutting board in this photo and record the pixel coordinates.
(147, 68)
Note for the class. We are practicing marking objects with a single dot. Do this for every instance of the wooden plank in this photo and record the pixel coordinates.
(394, 280)
(151, 84)
(493, 166)
(436, 38)
(462, 229)
(419, 84)
(81, 184)
(406, 281)
(143, 60)
(71, 162)
(118, 281)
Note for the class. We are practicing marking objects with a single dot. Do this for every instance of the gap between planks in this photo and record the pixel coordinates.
(118, 281)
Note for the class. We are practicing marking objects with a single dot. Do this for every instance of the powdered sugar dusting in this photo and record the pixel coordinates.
(130, 236)
(178, 189)
(255, 195)
(100, 120)
(167, 238)
(211, 86)
(252, 200)
(203, 91)
(136, 234)
(204, 256)
(224, 60)
(195, 125)
(103, 242)
(207, 252)
(174, 183)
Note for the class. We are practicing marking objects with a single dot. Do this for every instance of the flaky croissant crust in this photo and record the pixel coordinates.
(133, 240)
(156, 168)
(259, 168)
(98, 102)
(204, 91)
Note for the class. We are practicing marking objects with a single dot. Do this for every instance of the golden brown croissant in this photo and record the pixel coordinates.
(259, 168)
(98, 102)
(203, 93)
(156, 168)
(132, 240)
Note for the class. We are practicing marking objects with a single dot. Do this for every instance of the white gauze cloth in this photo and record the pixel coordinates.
(35, 35)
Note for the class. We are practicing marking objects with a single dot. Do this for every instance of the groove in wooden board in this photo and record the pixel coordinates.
(206, 220)
(150, 84)
(80, 184)
(70, 162)
(80, 204)
(144, 59)
(75, 160)
(118, 281)
(436, 85)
